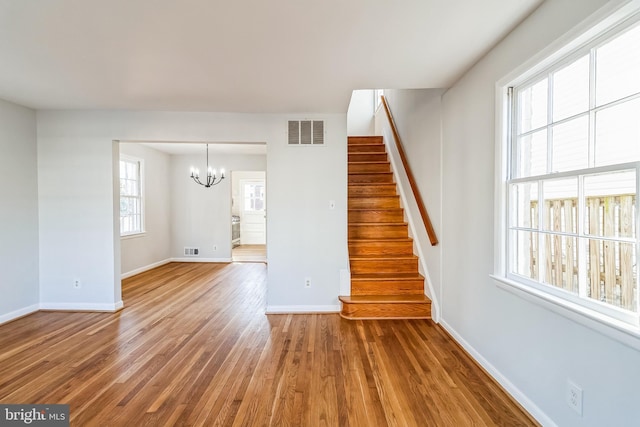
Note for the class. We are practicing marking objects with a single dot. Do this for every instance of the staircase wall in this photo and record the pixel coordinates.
(360, 115)
(417, 113)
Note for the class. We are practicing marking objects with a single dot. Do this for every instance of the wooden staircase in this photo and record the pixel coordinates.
(385, 282)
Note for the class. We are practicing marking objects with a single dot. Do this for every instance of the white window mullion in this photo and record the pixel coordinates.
(581, 240)
(542, 255)
(549, 121)
(592, 105)
(637, 236)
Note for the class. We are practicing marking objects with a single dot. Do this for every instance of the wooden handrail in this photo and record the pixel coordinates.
(412, 182)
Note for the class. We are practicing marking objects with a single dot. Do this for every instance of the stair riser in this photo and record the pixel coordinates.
(384, 266)
(372, 178)
(369, 167)
(404, 310)
(395, 215)
(366, 140)
(371, 157)
(387, 287)
(391, 202)
(378, 232)
(380, 248)
(372, 190)
(361, 148)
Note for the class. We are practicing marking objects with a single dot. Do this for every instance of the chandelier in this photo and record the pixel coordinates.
(211, 174)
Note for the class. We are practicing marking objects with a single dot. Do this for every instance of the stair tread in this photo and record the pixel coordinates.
(386, 276)
(377, 224)
(382, 257)
(374, 209)
(368, 162)
(385, 299)
(373, 196)
(376, 138)
(361, 197)
(360, 184)
(390, 239)
(370, 173)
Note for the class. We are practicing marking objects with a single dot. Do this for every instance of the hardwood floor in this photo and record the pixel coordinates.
(194, 347)
(249, 253)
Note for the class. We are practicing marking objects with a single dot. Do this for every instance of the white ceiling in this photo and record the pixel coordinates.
(200, 148)
(265, 56)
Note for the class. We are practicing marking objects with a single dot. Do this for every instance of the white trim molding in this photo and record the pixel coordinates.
(145, 268)
(302, 309)
(81, 306)
(533, 409)
(16, 314)
(220, 260)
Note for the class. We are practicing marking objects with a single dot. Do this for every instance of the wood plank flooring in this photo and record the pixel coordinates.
(249, 253)
(194, 347)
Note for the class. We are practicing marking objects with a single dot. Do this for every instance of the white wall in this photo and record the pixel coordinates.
(304, 237)
(417, 114)
(360, 113)
(532, 350)
(153, 247)
(77, 223)
(201, 217)
(18, 212)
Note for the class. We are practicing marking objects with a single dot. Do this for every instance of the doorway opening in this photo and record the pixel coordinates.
(248, 213)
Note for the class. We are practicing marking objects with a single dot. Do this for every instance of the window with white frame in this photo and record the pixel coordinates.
(254, 200)
(377, 97)
(573, 177)
(131, 201)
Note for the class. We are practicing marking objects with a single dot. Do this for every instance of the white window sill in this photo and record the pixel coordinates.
(133, 235)
(622, 332)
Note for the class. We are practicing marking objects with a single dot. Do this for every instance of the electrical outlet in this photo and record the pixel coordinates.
(332, 204)
(307, 282)
(215, 247)
(77, 284)
(574, 397)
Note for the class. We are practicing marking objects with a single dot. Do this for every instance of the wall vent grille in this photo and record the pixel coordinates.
(306, 132)
(191, 251)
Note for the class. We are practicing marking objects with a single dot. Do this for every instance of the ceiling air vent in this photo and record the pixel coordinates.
(306, 132)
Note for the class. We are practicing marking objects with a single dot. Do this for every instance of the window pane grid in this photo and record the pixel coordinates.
(574, 174)
(539, 99)
(130, 197)
(593, 216)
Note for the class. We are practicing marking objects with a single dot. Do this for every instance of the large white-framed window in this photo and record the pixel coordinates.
(131, 196)
(572, 176)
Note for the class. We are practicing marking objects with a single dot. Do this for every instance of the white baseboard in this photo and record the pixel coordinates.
(80, 306)
(514, 391)
(13, 315)
(196, 259)
(145, 268)
(302, 309)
